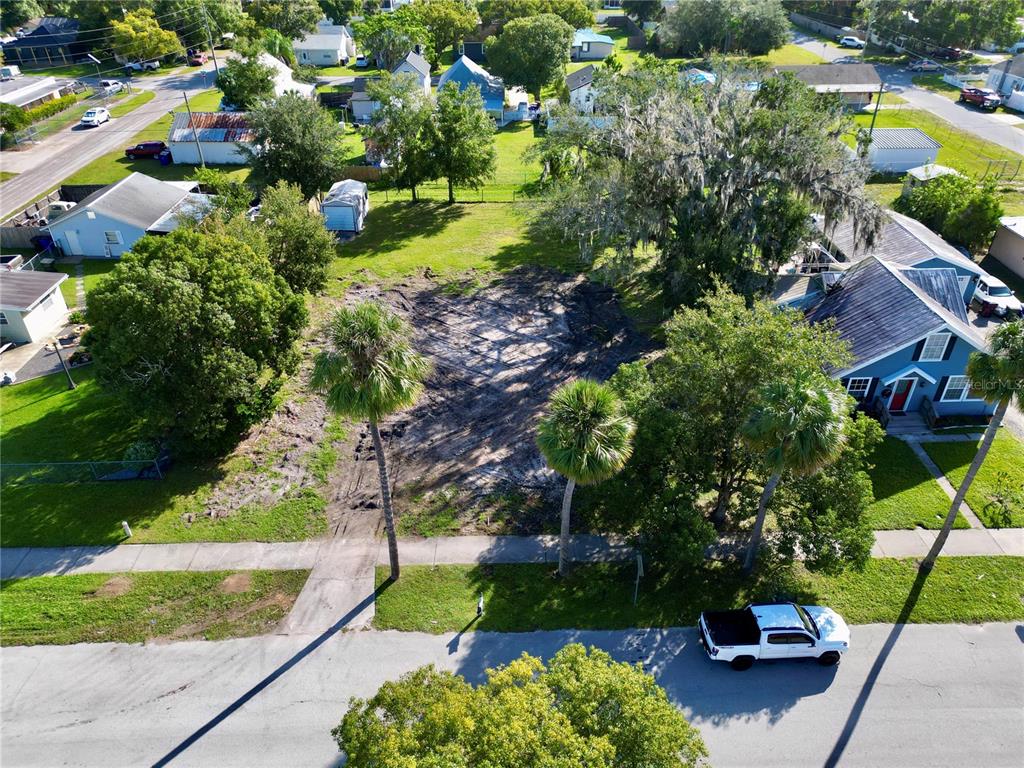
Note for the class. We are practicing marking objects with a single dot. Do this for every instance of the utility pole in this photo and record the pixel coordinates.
(195, 133)
(874, 115)
(209, 39)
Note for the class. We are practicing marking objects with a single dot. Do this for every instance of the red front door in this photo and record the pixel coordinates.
(900, 394)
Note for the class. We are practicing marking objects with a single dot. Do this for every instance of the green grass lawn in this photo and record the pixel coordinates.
(401, 238)
(95, 270)
(790, 55)
(114, 166)
(523, 598)
(136, 607)
(960, 149)
(6, 176)
(44, 422)
(933, 81)
(128, 105)
(906, 495)
(1003, 465)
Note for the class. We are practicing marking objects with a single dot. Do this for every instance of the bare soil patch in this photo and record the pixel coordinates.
(236, 583)
(114, 587)
(498, 353)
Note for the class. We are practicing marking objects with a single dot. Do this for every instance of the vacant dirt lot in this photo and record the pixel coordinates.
(498, 352)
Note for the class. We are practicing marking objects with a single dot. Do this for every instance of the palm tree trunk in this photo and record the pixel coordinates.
(385, 495)
(762, 511)
(563, 539)
(965, 485)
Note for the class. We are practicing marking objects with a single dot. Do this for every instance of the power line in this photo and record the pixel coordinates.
(184, 12)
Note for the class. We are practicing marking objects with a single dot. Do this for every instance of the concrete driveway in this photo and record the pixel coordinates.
(944, 695)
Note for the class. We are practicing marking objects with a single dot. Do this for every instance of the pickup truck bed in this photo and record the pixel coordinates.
(731, 628)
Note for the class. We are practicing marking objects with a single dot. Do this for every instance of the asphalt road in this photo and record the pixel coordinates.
(944, 695)
(45, 165)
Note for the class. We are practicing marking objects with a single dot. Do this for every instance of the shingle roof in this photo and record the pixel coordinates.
(902, 240)
(21, 290)
(417, 62)
(466, 72)
(138, 199)
(835, 75)
(878, 309)
(211, 127)
(52, 31)
(793, 287)
(580, 78)
(581, 36)
(331, 38)
(1014, 66)
(902, 138)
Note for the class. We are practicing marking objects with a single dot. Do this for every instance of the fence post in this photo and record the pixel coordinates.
(156, 464)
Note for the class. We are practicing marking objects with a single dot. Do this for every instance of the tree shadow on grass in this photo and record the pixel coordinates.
(390, 226)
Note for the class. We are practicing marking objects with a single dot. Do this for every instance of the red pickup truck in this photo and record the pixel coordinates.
(985, 98)
(145, 149)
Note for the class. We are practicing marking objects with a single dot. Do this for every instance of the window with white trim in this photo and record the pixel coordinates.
(858, 388)
(112, 237)
(934, 347)
(956, 388)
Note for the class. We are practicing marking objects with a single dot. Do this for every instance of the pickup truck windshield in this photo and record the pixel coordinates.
(808, 622)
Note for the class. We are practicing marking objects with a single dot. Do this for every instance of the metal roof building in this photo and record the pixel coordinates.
(221, 135)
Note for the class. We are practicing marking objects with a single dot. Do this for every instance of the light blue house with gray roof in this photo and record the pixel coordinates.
(465, 73)
(909, 334)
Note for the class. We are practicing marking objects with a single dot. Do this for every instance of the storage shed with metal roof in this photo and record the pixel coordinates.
(220, 137)
(897, 150)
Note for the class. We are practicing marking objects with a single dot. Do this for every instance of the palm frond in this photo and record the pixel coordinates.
(585, 435)
(371, 369)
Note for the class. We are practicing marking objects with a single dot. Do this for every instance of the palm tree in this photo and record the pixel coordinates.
(585, 436)
(371, 372)
(798, 426)
(1000, 376)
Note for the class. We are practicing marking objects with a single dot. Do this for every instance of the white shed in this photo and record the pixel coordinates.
(220, 136)
(31, 305)
(897, 150)
(1008, 245)
(345, 206)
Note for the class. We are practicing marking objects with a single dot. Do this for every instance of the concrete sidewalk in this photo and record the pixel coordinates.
(336, 559)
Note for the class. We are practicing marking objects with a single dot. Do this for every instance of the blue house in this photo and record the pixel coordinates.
(908, 243)
(466, 72)
(908, 330)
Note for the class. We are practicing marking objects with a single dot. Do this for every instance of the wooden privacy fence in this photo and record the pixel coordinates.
(19, 230)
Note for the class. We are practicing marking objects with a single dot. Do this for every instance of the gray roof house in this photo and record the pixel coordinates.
(909, 336)
(415, 65)
(905, 242)
(109, 221)
(580, 86)
(858, 84)
(1007, 76)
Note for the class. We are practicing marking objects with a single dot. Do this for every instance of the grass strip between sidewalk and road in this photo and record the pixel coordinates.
(524, 598)
(136, 607)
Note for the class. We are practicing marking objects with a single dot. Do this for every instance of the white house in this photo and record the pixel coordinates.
(28, 92)
(1007, 76)
(360, 104)
(283, 80)
(896, 150)
(588, 45)
(220, 135)
(328, 46)
(581, 91)
(345, 206)
(107, 223)
(418, 67)
(1008, 246)
(31, 305)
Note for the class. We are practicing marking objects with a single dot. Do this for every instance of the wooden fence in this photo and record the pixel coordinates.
(18, 231)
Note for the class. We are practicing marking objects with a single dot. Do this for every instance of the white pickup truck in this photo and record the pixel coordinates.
(774, 631)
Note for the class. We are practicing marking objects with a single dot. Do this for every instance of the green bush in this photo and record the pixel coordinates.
(956, 207)
(50, 108)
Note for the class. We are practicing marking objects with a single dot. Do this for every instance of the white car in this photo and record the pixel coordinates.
(851, 41)
(924, 65)
(992, 290)
(110, 87)
(774, 631)
(95, 116)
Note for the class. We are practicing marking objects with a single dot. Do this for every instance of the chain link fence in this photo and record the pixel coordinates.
(82, 471)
